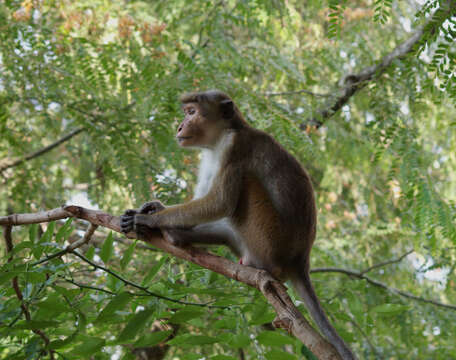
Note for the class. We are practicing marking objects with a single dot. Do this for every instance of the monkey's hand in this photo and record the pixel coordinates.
(127, 220)
(142, 224)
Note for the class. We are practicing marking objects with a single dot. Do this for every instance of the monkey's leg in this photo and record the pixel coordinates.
(215, 233)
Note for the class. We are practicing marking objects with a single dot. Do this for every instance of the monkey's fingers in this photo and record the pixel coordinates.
(130, 212)
(126, 223)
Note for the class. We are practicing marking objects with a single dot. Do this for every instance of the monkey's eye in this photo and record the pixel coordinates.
(191, 111)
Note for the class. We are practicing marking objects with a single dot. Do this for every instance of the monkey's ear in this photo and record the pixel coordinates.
(227, 108)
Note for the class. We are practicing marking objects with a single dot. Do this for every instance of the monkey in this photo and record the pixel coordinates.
(251, 195)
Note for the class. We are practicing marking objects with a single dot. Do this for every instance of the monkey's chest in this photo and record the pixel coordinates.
(209, 168)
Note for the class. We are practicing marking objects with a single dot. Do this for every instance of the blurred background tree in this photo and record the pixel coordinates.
(88, 108)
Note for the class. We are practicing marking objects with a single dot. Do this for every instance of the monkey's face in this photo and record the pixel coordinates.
(199, 128)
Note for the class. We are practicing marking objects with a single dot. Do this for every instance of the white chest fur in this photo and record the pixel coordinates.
(211, 160)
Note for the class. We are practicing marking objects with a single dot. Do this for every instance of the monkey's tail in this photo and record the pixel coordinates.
(303, 286)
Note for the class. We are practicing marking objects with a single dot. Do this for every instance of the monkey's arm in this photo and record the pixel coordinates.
(220, 202)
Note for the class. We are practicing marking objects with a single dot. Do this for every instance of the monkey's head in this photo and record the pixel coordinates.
(206, 116)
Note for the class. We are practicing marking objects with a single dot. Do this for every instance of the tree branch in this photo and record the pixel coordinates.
(84, 240)
(351, 83)
(295, 92)
(131, 283)
(40, 152)
(360, 275)
(387, 262)
(288, 316)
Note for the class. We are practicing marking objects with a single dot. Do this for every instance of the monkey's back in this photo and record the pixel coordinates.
(276, 213)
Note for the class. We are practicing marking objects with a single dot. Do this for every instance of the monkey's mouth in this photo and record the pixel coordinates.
(182, 138)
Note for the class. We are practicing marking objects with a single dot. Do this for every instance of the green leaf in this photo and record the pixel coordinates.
(36, 324)
(6, 276)
(274, 338)
(153, 338)
(226, 323)
(127, 256)
(90, 253)
(89, 347)
(264, 318)
(238, 340)
(223, 357)
(65, 231)
(117, 303)
(186, 314)
(154, 270)
(390, 309)
(107, 250)
(193, 340)
(65, 343)
(52, 306)
(47, 236)
(33, 231)
(135, 325)
(279, 355)
(35, 277)
(23, 245)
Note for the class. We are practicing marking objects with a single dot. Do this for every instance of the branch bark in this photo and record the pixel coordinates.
(288, 316)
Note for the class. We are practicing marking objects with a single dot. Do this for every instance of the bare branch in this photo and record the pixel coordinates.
(35, 218)
(360, 275)
(387, 262)
(40, 152)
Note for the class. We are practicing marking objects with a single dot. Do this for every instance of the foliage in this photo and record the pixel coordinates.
(383, 168)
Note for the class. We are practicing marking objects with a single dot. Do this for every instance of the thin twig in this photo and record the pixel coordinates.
(360, 275)
(363, 333)
(84, 286)
(387, 262)
(84, 240)
(200, 46)
(42, 151)
(283, 93)
(131, 283)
